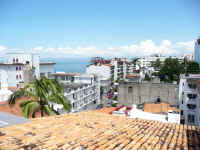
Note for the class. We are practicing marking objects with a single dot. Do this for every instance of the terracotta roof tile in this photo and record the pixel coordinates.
(98, 131)
(159, 108)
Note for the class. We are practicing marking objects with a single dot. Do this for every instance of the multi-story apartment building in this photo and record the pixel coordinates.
(146, 61)
(189, 99)
(80, 89)
(14, 65)
(197, 51)
(110, 70)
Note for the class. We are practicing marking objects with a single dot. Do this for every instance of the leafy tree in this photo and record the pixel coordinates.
(157, 63)
(192, 67)
(135, 60)
(147, 78)
(170, 68)
(39, 94)
(101, 91)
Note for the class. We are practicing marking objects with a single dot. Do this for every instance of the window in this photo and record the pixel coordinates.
(20, 76)
(191, 96)
(17, 77)
(17, 60)
(20, 68)
(16, 68)
(130, 89)
(13, 60)
(181, 112)
(191, 118)
(74, 96)
(191, 106)
(192, 86)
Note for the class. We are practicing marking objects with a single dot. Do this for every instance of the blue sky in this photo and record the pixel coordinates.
(102, 24)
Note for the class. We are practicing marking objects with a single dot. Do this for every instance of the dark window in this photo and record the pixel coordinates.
(191, 106)
(17, 77)
(74, 96)
(20, 68)
(192, 96)
(181, 112)
(130, 89)
(13, 60)
(192, 86)
(16, 68)
(17, 60)
(191, 118)
(20, 76)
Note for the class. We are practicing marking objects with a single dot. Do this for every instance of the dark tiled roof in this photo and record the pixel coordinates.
(93, 130)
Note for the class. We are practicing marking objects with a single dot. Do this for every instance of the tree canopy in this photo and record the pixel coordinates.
(40, 94)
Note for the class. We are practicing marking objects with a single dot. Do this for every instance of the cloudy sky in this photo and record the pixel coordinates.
(66, 28)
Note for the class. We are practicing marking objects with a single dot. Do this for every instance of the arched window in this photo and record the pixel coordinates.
(20, 68)
(130, 89)
(16, 68)
(13, 60)
(20, 76)
(17, 60)
(17, 77)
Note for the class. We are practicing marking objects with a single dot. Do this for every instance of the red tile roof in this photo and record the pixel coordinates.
(98, 131)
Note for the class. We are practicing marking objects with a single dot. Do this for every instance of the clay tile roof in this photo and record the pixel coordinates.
(107, 110)
(159, 108)
(13, 88)
(109, 65)
(132, 75)
(98, 131)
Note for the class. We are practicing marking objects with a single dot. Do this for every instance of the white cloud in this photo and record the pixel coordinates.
(145, 47)
(2, 48)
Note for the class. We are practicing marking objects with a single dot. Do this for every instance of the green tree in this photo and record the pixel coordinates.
(39, 94)
(192, 67)
(169, 69)
(157, 63)
(101, 91)
(147, 78)
(135, 60)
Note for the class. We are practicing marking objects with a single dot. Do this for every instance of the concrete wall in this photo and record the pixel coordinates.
(46, 70)
(147, 92)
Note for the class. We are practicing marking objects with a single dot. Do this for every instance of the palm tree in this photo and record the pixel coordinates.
(41, 93)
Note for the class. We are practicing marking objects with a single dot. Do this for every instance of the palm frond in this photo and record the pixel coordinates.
(48, 110)
(15, 96)
(30, 107)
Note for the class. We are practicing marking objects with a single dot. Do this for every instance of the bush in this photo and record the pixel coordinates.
(114, 105)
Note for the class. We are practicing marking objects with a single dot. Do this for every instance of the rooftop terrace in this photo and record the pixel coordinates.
(94, 130)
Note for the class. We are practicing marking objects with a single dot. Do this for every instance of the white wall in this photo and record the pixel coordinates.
(102, 71)
(46, 69)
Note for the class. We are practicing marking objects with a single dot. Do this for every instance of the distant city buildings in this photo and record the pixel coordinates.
(189, 99)
(197, 51)
(14, 66)
(81, 90)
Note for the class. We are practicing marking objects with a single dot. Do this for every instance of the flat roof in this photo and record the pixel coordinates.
(5, 64)
(9, 119)
(47, 63)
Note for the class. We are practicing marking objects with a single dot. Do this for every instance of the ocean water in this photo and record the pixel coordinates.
(69, 64)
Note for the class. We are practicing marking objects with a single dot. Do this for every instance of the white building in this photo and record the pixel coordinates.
(46, 69)
(171, 117)
(81, 90)
(105, 73)
(146, 61)
(189, 99)
(197, 51)
(4, 92)
(14, 64)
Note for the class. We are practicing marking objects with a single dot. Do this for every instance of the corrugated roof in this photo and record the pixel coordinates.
(99, 131)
